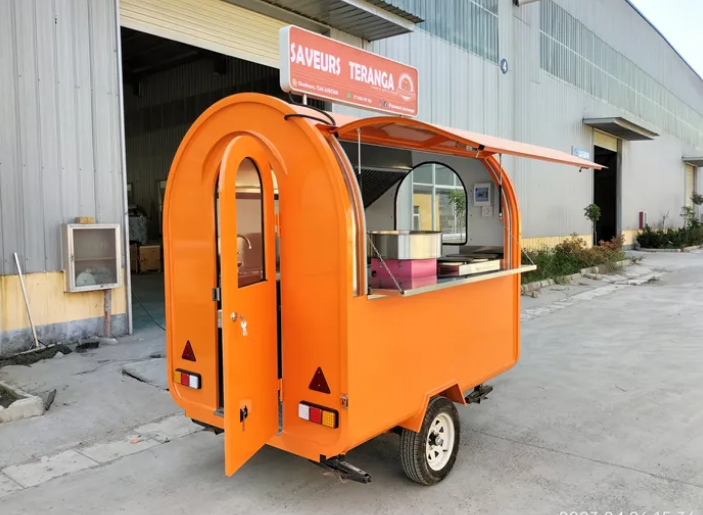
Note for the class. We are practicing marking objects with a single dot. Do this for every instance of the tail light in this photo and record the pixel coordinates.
(318, 415)
(189, 379)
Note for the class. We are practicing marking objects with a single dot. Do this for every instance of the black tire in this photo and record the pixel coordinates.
(413, 446)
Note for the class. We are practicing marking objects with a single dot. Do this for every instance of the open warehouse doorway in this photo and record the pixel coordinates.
(606, 184)
(605, 194)
(166, 86)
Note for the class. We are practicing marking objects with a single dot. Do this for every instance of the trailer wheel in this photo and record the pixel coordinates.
(428, 456)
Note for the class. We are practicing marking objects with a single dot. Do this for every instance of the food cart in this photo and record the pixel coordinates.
(303, 316)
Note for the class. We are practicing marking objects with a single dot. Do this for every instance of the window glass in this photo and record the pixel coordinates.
(444, 176)
(437, 205)
(250, 224)
(423, 174)
(422, 207)
(417, 220)
(451, 205)
(469, 24)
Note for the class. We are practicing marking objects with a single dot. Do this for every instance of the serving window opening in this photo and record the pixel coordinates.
(432, 221)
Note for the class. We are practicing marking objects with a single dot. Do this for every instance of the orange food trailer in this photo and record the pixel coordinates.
(319, 292)
(280, 331)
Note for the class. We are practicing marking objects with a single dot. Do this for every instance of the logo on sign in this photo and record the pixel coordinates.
(406, 87)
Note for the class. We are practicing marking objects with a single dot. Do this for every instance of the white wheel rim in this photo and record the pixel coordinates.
(440, 442)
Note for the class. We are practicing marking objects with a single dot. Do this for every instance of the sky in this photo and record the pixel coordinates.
(681, 22)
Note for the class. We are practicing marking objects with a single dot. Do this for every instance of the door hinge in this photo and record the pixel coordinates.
(280, 390)
(216, 295)
(344, 401)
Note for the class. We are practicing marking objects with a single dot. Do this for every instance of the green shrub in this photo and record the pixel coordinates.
(671, 238)
(650, 239)
(570, 257)
(694, 236)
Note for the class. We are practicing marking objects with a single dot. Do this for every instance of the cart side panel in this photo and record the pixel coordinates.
(404, 349)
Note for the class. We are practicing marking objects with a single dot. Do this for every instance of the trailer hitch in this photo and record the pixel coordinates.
(345, 471)
(478, 394)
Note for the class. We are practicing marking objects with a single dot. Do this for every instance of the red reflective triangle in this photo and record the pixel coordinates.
(319, 383)
(188, 353)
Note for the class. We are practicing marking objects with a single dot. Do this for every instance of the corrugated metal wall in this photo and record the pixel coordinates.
(572, 52)
(60, 153)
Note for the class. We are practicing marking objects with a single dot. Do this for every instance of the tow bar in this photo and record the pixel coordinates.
(345, 471)
(478, 394)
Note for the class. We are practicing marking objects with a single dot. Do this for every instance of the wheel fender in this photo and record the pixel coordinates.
(453, 393)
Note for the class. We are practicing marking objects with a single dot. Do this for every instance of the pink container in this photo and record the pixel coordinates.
(404, 268)
(405, 283)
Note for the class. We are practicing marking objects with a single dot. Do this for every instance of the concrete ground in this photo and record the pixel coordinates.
(604, 412)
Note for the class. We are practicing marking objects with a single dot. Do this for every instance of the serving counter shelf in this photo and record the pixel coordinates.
(448, 282)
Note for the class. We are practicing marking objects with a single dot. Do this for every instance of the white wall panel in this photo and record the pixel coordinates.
(653, 181)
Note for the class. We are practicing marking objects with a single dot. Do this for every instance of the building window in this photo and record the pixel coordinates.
(469, 24)
(417, 219)
(435, 198)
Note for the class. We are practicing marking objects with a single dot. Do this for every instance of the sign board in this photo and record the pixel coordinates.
(582, 153)
(327, 69)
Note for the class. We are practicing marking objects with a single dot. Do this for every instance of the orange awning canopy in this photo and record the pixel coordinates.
(395, 131)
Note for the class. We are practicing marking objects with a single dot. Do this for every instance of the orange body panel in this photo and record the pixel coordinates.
(387, 356)
(459, 336)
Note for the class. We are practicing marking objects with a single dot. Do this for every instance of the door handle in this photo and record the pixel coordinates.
(242, 322)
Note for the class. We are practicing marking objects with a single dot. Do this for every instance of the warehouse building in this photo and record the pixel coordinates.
(97, 95)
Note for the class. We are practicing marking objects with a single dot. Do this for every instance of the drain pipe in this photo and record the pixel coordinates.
(123, 157)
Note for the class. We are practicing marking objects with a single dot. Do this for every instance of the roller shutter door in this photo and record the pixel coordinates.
(606, 141)
(214, 25)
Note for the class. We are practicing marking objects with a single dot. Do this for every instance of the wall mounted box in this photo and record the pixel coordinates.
(91, 257)
(483, 194)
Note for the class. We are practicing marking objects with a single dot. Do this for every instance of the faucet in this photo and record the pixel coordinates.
(239, 254)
